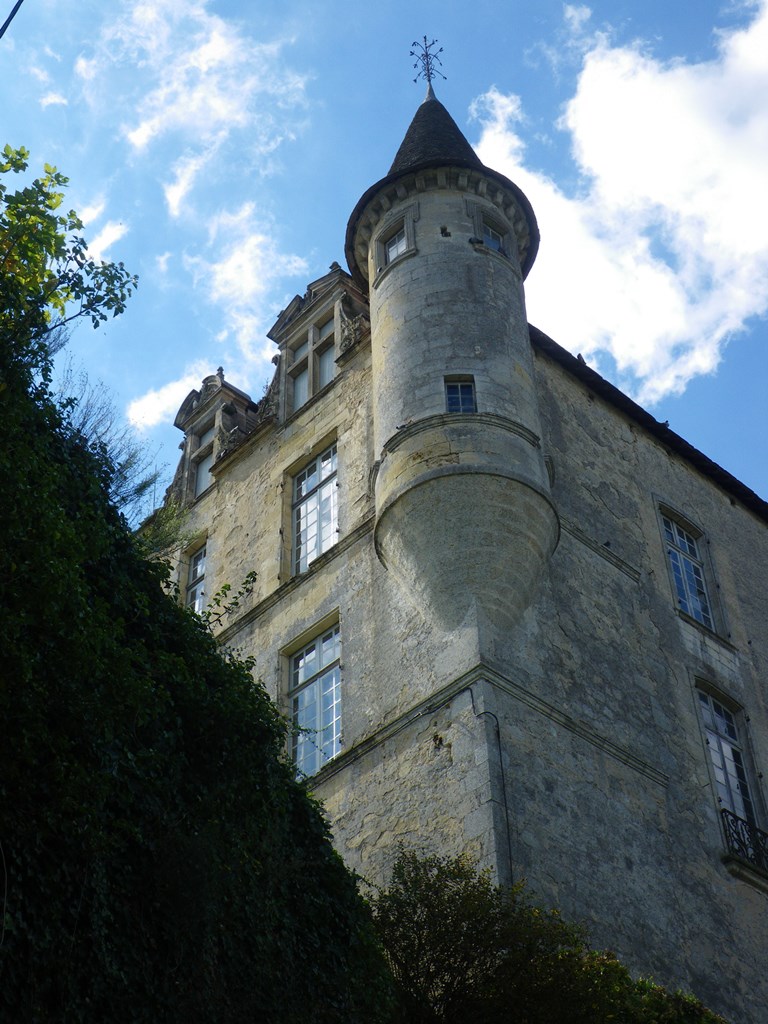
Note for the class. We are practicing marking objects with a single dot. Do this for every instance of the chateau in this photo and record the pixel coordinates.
(508, 612)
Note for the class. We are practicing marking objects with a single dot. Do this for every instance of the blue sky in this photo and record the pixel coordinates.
(218, 148)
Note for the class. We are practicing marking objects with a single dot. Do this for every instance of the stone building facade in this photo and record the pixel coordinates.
(508, 612)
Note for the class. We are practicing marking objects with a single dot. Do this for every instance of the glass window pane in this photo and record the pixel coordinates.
(316, 705)
(300, 389)
(203, 477)
(395, 245)
(206, 437)
(491, 237)
(727, 759)
(326, 366)
(315, 511)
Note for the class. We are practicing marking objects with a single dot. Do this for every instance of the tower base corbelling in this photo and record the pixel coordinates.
(464, 518)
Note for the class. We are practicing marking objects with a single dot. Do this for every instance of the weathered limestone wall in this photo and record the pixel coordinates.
(450, 308)
(598, 782)
(617, 821)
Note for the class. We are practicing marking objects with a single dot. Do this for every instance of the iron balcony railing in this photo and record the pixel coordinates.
(745, 840)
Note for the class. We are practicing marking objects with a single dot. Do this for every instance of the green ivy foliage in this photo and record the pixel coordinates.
(158, 859)
(463, 950)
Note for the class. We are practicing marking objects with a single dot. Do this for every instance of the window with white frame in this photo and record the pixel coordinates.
(687, 570)
(312, 362)
(727, 755)
(196, 581)
(460, 394)
(315, 509)
(315, 699)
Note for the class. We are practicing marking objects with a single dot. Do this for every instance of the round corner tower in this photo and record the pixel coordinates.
(464, 518)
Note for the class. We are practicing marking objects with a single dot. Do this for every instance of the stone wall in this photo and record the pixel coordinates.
(567, 749)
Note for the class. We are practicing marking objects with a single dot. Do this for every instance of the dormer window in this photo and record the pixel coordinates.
(312, 361)
(202, 461)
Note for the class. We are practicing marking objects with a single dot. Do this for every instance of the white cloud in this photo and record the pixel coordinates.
(161, 404)
(195, 80)
(87, 68)
(53, 99)
(664, 253)
(186, 170)
(576, 17)
(111, 232)
(92, 212)
(242, 279)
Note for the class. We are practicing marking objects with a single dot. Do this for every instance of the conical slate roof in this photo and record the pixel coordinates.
(433, 136)
(433, 140)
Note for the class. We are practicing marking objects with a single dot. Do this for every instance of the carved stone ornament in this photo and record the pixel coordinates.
(352, 327)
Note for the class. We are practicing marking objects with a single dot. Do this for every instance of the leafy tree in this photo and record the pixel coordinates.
(158, 860)
(48, 278)
(464, 950)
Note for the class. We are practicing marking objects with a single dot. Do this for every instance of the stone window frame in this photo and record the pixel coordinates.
(194, 591)
(330, 483)
(682, 559)
(307, 355)
(459, 387)
(483, 217)
(307, 695)
(404, 221)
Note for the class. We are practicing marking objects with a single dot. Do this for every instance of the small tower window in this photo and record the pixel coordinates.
(490, 230)
(395, 246)
(460, 394)
(396, 241)
(492, 238)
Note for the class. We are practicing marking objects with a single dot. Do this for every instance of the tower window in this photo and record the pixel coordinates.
(460, 394)
(315, 510)
(491, 229)
(492, 238)
(395, 245)
(687, 571)
(196, 581)
(315, 697)
(396, 240)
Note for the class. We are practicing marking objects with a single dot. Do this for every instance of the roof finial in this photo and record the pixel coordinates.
(428, 61)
